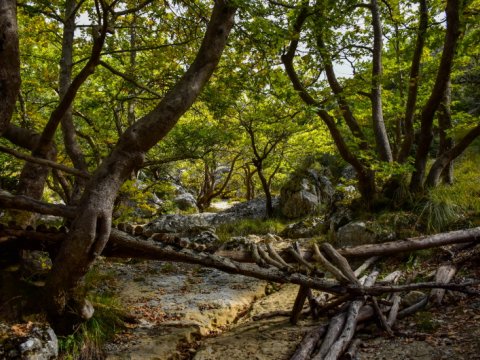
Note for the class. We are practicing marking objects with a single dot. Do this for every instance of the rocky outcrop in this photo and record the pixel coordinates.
(28, 342)
(175, 305)
(176, 223)
(305, 194)
(196, 223)
(253, 209)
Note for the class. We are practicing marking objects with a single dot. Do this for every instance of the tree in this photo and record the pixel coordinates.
(91, 228)
(9, 62)
(268, 127)
(316, 27)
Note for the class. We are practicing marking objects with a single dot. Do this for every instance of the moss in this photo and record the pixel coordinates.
(425, 322)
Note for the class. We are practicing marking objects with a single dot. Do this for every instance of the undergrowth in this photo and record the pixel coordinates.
(448, 205)
(246, 227)
(86, 343)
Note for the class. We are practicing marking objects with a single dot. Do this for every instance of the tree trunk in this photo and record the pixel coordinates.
(446, 158)
(366, 179)
(446, 141)
(266, 189)
(249, 184)
(414, 83)
(453, 10)
(33, 176)
(69, 136)
(381, 137)
(338, 91)
(91, 227)
(9, 62)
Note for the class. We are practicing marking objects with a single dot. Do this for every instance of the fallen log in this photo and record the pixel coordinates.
(307, 345)
(351, 321)
(392, 315)
(335, 327)
(123, 245)
(412, 244)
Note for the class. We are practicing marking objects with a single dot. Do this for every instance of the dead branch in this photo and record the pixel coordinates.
(308, 343)
(335, 327)
(340, 262)
(350, 354)
(337, 274)
(351, 321)
(381, 317)
(444, 275)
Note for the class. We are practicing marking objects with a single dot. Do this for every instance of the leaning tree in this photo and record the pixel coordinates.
(90, 228)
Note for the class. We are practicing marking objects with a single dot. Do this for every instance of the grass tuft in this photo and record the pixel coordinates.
(246, 227)
(88, 339)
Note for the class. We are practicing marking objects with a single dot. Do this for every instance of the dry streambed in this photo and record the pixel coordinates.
(176, 304)
(187, 312)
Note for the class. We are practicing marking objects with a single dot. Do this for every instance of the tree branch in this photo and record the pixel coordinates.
(49, 163)
(130, 80)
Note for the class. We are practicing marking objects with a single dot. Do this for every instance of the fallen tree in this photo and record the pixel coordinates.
(125, 245)
(353, 300)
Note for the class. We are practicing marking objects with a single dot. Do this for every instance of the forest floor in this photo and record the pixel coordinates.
(201, 314)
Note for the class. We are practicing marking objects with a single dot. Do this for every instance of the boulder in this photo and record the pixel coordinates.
(348, 173)
(28, 342)
(185, 202)
(304, 229)
(354, 233)
(339, 216)
(305, 193)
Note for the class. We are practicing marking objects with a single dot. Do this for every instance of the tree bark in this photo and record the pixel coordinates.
(413, 83)
(69, 135)
(9, 62)
(453, 10)
(91, 227)
(381, 136)
(446, 140)
(446, 158)
(412, 244)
